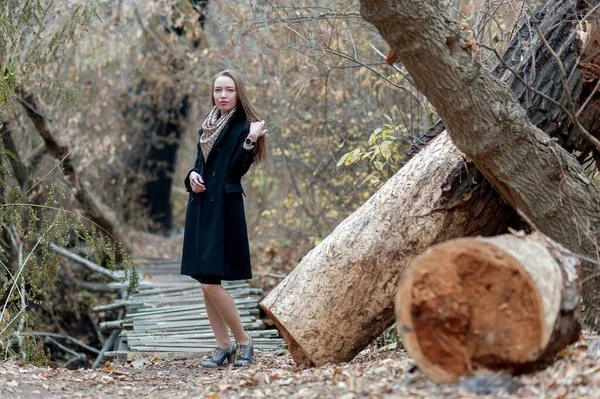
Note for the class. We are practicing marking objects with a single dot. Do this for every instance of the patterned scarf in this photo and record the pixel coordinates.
(211, 129)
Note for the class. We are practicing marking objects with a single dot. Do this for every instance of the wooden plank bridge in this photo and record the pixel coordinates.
(168, 314)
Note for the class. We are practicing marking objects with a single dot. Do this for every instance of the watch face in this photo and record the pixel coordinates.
(249, 142)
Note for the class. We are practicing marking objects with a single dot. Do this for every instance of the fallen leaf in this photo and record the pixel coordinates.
(107, 380)
(138, 363)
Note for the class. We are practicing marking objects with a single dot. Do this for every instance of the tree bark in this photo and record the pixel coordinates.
(18, 168)
(531, 171)
(350, 278)
(488, 304)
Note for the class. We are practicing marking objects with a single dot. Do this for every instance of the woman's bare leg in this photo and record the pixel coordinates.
(217, 322)
(225, 305)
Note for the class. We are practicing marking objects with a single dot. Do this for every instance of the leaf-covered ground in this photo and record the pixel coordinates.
(390, 374)
(373, 374)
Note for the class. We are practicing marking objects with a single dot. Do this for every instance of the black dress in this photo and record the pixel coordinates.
(215, 239)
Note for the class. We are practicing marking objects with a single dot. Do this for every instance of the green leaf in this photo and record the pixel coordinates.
(385, 150)
(374, 136)
(342, 160)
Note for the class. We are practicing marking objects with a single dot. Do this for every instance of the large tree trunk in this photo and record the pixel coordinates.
(531, 171)
(159, 114)
(488, 304)
(340, 297)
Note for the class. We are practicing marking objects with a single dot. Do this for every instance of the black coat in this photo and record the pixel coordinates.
(216, 237)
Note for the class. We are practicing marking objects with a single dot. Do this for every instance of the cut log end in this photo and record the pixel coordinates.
(468, 305)
(298, 354)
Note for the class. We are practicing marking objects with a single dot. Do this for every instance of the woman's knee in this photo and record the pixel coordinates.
(209, 288)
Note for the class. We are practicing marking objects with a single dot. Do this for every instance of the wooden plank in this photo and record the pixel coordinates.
(177, 317)
(250, 312)
(180, 310)
(250, 326)
(170, 312)
(133, 341)
(203, 349)
(184, 290)
(196, 343)
(188, 298)
(248, 323)
(158, 303)
(172, 303)
(240, 304)
(147, 286)
(246, 307)
(253, 333)
(168, 324)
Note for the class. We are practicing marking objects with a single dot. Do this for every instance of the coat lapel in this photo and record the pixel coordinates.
(220, 138)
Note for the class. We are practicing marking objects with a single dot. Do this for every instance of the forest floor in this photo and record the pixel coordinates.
(375, 373)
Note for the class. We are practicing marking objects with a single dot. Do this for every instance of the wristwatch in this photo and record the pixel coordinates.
(250, 142)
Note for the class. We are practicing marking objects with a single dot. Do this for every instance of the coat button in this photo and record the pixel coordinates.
(218, 148)
(214, 174)
(192, 199)
(212, 199)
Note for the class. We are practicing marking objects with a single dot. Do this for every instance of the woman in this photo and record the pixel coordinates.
(215, 244)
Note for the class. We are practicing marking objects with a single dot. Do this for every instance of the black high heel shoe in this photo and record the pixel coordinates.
(219, 355)
(245, 353)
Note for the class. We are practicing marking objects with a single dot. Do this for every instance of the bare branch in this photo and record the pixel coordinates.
(394, 65)
(370, 68)
(113, 275)
(62, 336)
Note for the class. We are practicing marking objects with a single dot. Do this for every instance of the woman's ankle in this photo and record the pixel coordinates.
(244, 341)
(224, 346)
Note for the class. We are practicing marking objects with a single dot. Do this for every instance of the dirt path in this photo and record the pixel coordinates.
(388, 374)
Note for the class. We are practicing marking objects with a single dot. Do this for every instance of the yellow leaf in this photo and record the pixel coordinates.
(342, 160)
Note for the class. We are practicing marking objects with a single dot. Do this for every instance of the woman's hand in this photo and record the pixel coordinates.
(257, 129)
(196, 183)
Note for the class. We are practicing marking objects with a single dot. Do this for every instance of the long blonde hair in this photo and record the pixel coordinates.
(249, 109)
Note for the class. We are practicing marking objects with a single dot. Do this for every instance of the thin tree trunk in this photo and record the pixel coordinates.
(90, 203)
(19, 170)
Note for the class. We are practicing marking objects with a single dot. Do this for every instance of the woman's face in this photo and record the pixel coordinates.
(225, 94)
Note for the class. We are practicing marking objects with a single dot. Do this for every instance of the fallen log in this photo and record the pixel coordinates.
(341, 295)
(488, 304)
